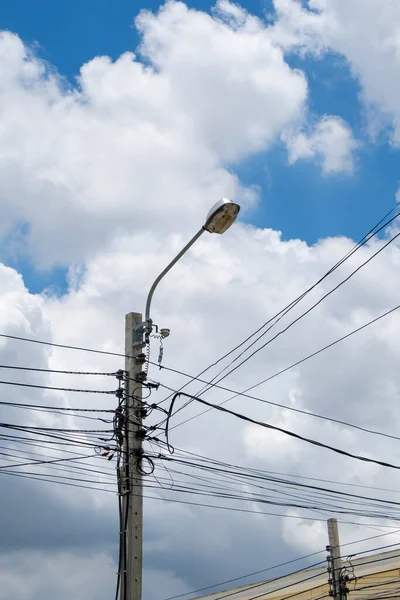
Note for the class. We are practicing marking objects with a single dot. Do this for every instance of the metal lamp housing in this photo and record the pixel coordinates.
(222, 215)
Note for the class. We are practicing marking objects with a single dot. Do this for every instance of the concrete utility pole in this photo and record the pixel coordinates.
(133, 499)
(339, 590)
(137, 336)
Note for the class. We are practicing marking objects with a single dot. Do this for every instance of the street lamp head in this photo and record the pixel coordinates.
(221, 216)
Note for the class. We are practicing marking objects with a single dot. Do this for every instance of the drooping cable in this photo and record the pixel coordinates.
(280, 429)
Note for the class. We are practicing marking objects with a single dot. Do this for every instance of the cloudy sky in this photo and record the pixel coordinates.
(120, 125)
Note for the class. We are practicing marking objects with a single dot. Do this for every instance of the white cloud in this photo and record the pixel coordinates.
(136, 140)
(139, 138)
(365, 33)
(331, 142)
(203, 301)
(42, 574)
(111, 176)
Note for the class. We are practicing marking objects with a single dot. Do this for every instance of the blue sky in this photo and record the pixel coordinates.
(298, 200)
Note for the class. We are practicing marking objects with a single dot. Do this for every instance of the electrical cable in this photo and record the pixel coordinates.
(58, 389)
(119, 354)
(286, 482)
(37, 369)
(47, 462)
(306, 312)
(371, 233)
(50, 480)
(203, 505)
(285, 431)
(273, 473)
(274, 375)
(259, 584)
(248, 478)
(296, 583)
(311, 307)
(209, 587)
(284, 564)
(294, 505)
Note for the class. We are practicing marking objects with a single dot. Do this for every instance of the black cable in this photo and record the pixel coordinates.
(21, 368)
(244, 576)
(203, 505)
(306, 312)
(285, 431)
(243, 479)
(284, 482)
(39, 478)
(259, 500)
(316, 303)
(58, 389)
(70, 441)
(376, 585)
(277, 404)
(249, 475)
(261, 476)
(295, 364)
(218, 485)
(277, 317)
(32, 443)
(285, 587)
(40, 462)
(119, 354)
(42, 342)
(263, 595)
(54, 409)
(300, 593)
(276, 567)
(215, 492)
(258, 512)
(47, 461)
(374, 537)
(274, 473)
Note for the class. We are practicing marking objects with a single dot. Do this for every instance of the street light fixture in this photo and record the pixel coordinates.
(222, 215)
(130, 474)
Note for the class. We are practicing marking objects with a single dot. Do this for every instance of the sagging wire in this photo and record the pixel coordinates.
(348, 573)
(165, 469)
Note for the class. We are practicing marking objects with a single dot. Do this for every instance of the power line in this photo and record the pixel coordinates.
(277, 404)
(269, 473)
(276, 318)
(50, 480)
(289, 562)
(59, 410)
(263, 473)
(215, 585)
(58, 389)
(45, 433)
(119, 354)
(42, 342)
(296, 583)
(295, 364)
(21, 368)
(285, 431)
(284, 482)
(257, 585)
(306, 312)
(46, 462)
(230, 494)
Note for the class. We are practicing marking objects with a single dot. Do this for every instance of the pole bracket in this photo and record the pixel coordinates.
(138, 335)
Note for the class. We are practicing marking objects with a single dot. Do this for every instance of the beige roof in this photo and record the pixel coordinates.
(382, 571)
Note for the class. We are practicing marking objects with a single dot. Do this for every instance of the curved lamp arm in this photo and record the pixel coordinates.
(148, 322)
